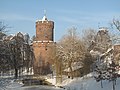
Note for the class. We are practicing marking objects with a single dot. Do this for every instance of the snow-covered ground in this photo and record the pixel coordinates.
(86, 83)
(12, 84)
(9, 84)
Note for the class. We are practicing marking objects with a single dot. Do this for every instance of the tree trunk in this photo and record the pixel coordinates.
(101, 84)
(113, 84)
(16, 73)
(71, 72)
(15, 67)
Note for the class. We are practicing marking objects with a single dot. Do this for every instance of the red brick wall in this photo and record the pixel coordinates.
(42, 46)
(44, 30)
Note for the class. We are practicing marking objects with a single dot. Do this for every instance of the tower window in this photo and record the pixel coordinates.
(45, 35)
(46, 48)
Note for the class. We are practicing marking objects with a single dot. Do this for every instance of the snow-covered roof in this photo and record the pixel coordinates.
(109, 49)
(103, 29)
(95, 52)
(44, 18)
(117, 44)
(73, 68)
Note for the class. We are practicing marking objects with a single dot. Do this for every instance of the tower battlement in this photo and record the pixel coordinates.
(46, 21)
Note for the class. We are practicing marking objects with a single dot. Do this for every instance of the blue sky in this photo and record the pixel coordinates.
(21, 15)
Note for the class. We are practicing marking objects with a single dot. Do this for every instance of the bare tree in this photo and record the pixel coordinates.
(71, 50)
(21, 53)
(2, 27)
(116, 23)
(101, 41)
(4, 53)
(104, 55)
(4, 56)
(89, 37)
(15, 51)
(2, 30)
(16, 44)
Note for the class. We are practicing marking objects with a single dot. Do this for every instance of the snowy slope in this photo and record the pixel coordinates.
(86, 83)
(89, 83)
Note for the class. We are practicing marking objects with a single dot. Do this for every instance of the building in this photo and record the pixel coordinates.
(117, 54)
(42, 44)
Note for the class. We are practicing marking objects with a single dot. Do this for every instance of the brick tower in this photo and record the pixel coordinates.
(42, 44)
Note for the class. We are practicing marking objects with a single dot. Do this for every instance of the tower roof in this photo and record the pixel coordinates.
(44, 18)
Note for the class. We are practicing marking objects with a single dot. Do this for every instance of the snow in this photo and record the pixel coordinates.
(44, 18)
(80, 83)
(42, 41)
(28, 73)
(9, 84)
(94, 53)
(7, 81)
(10, 74)
(73, 68)
(51, 80)
(91, 84)
(12, 84)
(86, 83)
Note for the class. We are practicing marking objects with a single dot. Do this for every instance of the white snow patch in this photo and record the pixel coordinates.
(87, 83)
